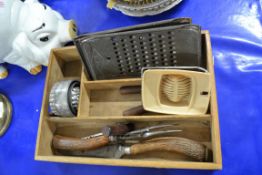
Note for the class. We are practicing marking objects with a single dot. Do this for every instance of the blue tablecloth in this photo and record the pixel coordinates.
(236, 34)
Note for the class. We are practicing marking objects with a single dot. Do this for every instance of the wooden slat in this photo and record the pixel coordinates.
(214, 108)
(44, 132)
(132, 163)
(130, 118)
(111, 84)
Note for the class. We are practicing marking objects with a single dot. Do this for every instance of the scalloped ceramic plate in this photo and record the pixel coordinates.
(140, 8)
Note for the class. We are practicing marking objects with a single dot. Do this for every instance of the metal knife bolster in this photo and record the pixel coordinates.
(122, 150)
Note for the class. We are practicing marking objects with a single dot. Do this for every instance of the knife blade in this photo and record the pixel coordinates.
(103, 152)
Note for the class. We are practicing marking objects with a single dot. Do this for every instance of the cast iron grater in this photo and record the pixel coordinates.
(150, 25)
(123, 54)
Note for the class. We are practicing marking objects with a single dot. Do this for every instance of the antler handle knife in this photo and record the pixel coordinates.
(188, 147)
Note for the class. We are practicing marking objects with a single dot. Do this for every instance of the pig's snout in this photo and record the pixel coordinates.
(67, 30)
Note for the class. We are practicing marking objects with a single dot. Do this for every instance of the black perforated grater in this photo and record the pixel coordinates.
(122, 53)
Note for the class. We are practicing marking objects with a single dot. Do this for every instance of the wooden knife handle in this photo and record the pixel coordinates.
(130, 90)
(71, 143)
(138, 110)
(180, 145)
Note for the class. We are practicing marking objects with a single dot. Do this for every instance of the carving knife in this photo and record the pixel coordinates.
(190, 148)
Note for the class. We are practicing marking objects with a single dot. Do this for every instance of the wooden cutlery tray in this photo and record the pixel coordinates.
(101, 104)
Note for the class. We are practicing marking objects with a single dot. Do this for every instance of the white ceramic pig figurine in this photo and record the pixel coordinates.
(28, 31)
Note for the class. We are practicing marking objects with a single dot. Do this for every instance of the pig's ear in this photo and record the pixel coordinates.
(21, 45)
